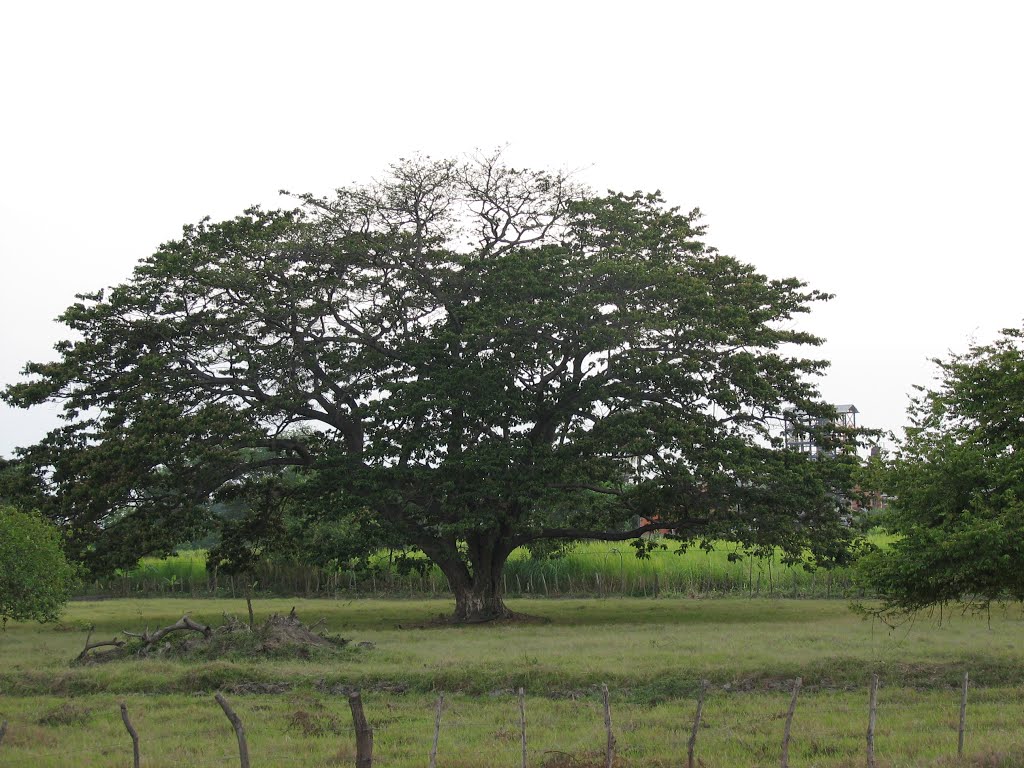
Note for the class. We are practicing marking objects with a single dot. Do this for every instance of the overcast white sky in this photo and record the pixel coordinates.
(875, 149)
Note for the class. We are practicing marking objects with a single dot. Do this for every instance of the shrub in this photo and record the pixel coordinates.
(35, 577)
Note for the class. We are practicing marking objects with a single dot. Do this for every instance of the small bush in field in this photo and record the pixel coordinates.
(35, 577)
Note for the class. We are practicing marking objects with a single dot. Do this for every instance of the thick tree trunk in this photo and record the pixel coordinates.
(476, 584)
(478, 602)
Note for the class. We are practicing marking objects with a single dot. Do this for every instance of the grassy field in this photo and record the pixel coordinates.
(651, 653)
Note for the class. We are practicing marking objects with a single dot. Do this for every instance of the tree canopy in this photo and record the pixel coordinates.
(957, 485)
(462, 358)
(35, 577)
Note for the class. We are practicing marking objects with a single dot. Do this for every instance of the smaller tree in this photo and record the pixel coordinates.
(35, 577)
(957, 483)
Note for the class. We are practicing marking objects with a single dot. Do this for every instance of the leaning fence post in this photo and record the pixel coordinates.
(364, 733)
(872, 712)
(789, 723)
(963, 718)
(131, 732)
(236, 722)
(609, 750)
(691, 745)
(437, 731)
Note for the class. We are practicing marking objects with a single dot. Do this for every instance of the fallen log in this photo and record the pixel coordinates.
(184, 623)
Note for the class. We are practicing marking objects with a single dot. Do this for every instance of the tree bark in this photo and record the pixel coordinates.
(479, 601)
(476, 584)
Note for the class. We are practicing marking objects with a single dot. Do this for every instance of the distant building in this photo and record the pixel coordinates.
(800, 427)
(846, 415)
(799, 436)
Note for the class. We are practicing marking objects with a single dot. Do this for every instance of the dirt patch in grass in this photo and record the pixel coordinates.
(553, 758)
(988, 759)
(255, 687)
(66, 714)
(344, 689)
(312, 724)
(514, 619)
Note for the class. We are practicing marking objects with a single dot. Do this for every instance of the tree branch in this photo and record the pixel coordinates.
(585, 487)
(586, 533)
(182, 624)
(102, 644)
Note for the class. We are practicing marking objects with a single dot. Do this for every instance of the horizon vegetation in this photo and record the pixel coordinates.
(582, 568)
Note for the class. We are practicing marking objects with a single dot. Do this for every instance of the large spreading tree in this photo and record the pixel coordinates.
(461, 358)
(957, 486)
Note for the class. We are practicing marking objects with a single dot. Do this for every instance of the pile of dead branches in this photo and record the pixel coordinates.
(278, 635)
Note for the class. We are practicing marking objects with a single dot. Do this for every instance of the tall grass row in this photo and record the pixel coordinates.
(589, 569)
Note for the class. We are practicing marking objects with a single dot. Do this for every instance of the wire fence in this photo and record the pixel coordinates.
(618, 733)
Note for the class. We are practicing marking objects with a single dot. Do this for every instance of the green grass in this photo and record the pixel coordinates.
(589, 569)
(654, 648)
(651, 653)
(914, 729)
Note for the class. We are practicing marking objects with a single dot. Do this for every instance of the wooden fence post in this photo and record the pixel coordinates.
(789, 723)
(364, 733)
(872, 712)
(236, 723)
(3, 731)
(522, 722)
(691, 745)
(963, 719)
(131, 732)
(437, 731)
(609, 750)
